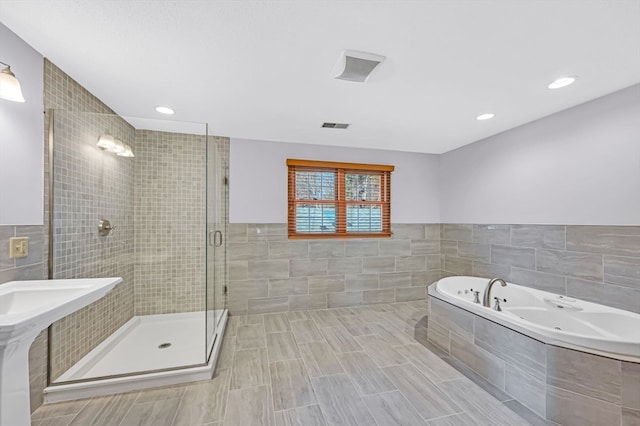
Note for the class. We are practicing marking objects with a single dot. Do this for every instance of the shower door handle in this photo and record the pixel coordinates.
(217, 238)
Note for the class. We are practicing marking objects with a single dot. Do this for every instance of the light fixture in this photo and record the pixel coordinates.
(9, 85)
(127, 152)
(164, 110)
(118, 147)
(114, 146)
(485, 116)
(562, 82)
(106, 142)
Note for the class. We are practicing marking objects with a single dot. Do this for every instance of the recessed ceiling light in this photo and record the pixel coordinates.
(561, 82)
(485, 116)
(164, 110)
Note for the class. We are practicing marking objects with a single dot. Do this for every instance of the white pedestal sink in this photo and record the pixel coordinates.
(27, 308)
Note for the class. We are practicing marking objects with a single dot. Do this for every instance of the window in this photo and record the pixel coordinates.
(338, 200)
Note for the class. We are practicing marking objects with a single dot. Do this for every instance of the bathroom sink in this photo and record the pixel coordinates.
(27, 308)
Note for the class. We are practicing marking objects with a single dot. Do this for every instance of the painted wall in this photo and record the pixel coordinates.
(258, 177)
(21, 136)
(577, 167)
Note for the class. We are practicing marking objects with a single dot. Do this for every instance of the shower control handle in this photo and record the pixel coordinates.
(105, 228)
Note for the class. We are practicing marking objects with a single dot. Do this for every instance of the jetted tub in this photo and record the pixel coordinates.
(548, 317)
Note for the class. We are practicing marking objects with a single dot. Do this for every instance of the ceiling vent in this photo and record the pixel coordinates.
(335, 125)
(356, 66)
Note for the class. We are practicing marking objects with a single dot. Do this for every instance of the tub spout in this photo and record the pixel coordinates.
(486, 298)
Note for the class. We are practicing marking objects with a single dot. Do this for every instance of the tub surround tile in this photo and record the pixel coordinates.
(630, 386)
(538, 236)
(474, 251)
(630, 417)
(458, 266)
(370, 297)
(480, 381)
(514, 348)
(484, 363)
(572, 264)
(611, 295)
(539, 280)
(527, 389)
(572, 409)
(513, 256)
(491, 234)
(585, 374)
(451, 318)
(425, 247)
(623, 271)
(410, 293)
(483, 406)
(395, 279)
(614, 240)
(492, 270)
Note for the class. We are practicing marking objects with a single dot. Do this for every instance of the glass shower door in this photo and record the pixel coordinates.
(216, 231)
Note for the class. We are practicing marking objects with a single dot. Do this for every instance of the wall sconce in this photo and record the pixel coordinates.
(114, 146)
(9, 85)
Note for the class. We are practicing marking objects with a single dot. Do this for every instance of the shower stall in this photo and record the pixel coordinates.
(145, 200)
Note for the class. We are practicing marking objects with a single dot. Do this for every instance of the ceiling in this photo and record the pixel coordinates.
(263, 69)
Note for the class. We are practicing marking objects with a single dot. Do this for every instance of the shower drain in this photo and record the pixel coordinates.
(164, 345)
(557, 328)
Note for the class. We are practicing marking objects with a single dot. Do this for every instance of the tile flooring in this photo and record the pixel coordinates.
(367, 365)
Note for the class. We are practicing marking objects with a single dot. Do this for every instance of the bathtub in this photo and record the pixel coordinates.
(550, 318)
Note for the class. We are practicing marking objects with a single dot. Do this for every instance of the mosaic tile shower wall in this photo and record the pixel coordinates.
(170, 222)
(89, 185)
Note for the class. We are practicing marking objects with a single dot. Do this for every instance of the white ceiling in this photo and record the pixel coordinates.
(262, 69)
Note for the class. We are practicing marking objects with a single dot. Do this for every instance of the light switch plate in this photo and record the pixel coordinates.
(18, 247)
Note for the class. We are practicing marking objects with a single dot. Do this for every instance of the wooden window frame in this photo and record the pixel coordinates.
(340, 170)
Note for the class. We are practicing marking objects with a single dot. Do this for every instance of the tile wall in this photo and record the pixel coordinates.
(568, 387)
(90, 184)
(596, 263)
(32, 267)
(269, 273)
(170, 222)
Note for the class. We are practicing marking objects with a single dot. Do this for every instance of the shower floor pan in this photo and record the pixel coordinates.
(172, 345)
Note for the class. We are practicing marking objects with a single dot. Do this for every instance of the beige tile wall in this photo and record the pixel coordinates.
(89, 185)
